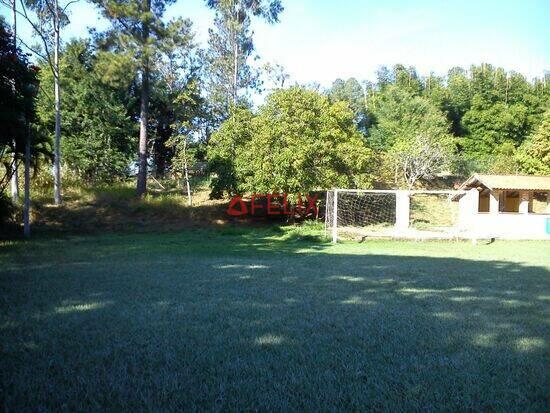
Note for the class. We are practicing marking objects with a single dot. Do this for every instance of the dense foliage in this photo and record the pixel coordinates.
(490, 112)
(18, 86)
(143, 96)
(98, 139)
(411, 136)
(297, 142)
(534, 154)
(18, 89)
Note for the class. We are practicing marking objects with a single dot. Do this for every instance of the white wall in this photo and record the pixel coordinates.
(499, 224)
(510, 225)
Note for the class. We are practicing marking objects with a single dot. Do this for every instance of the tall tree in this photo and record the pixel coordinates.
(17, 79)
(352, 92)
(411, 134)
(15, 176)
(47, 18)
(137, 31)
(97, 143)
(230, 47)
(176, 101)
(407, 79)
(18, 88)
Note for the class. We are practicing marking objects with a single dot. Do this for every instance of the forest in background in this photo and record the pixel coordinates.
(143, 98)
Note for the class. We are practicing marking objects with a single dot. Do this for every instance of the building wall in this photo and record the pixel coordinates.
(499, 224)
(511, 225)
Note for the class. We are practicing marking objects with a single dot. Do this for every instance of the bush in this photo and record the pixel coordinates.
(7, 209)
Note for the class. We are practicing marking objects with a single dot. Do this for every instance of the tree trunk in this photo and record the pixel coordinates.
(57, 90)
(15, 175)
(235, 71)
(144, 112)
(15, 180)
(186, 170)
(27, 202)
(235, 57)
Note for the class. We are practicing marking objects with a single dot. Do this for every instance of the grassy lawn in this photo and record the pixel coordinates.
(272, 319)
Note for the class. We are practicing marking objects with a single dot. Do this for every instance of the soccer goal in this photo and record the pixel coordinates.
(360, 214)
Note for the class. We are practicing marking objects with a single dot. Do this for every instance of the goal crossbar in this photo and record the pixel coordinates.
(392, 213)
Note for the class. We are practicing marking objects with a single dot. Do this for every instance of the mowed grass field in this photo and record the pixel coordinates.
(273, 319)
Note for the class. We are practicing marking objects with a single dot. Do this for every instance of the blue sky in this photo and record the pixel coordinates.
(321, 40)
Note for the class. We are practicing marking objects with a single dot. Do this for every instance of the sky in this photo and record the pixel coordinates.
(318, 41)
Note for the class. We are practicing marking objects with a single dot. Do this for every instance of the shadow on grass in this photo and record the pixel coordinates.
(257, 321)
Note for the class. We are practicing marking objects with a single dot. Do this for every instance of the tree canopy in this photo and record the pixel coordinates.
(534, 154)
(297, 142)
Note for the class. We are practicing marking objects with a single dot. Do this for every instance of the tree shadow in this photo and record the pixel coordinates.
(256, 322)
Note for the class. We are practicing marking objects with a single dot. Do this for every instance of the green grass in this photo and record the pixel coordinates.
(273, 319)
(432, 211)
(114, 208)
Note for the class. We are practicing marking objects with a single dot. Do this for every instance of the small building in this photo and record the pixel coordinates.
(505, 206)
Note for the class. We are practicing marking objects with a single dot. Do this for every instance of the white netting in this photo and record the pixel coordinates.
(361, 212)
(415, 214)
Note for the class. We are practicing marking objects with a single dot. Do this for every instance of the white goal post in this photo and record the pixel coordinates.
(416, 214)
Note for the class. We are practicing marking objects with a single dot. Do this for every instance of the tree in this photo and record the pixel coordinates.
(185, 116)
(15, 176)
(421, 155)
(18, 88)
(458, 100)
(97, 143)
(226, 150)
(352, 92)
(407, 79)
(47, 18)
(177, 107)
(412, 135)
(230, 47)
(491, 127)
(534, 154)
(503, 109)
(137, 31)
(275, 76)
(298, 142)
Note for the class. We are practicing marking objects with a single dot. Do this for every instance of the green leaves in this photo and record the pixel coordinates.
(534, 154)
(298, 142)
(412, 135)
(97, 142)
(230, 77)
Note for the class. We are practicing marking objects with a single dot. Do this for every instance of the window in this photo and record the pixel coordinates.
(539, 203)
(511, 201)
(483, 205)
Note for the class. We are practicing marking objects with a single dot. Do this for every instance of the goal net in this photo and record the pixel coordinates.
(359, 214)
